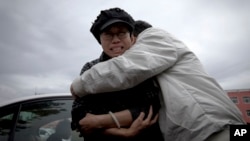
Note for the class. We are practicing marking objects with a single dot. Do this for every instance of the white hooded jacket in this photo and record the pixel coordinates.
(193, 104)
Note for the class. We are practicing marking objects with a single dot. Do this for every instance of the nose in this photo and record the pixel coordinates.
(115, 38)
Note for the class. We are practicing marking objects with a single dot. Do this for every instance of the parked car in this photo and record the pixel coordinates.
(35, 118)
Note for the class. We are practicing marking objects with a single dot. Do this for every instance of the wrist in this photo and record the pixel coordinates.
(117, 123)
(128, 133)
(105, 121)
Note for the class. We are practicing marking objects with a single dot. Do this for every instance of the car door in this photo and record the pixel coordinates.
(38, 120)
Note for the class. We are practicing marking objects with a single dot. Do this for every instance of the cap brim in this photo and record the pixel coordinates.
(113, 21)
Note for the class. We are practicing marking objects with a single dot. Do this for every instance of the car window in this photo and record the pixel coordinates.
(46, 120)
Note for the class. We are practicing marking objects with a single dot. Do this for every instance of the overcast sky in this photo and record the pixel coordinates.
(45, 43)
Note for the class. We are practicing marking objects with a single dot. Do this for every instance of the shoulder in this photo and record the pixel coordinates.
(154, 30)
(88, 65)
(155, 33)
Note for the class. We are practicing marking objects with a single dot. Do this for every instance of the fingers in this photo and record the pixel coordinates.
(150, 113)
(140, 123)
(86, 119)
(141, 116)
(155, 119)
(149, 121)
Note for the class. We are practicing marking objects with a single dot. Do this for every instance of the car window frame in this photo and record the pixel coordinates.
(17, 107)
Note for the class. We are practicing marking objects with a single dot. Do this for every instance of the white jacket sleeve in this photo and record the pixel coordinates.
(153, 52)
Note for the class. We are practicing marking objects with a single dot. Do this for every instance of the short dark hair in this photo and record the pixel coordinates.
(140, 26)
(109, 17)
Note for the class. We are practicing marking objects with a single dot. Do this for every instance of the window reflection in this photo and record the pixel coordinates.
(38, 121)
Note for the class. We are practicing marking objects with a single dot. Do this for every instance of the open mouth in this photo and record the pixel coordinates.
(117, 49)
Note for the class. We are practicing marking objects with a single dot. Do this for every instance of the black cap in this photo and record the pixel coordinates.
(113, 21)
(109, 17)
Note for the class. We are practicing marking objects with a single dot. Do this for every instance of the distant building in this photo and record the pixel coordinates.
(241, 98)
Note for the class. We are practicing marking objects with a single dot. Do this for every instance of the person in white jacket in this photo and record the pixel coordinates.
(194, 105)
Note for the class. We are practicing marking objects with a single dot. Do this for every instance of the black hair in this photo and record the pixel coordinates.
(140, 26)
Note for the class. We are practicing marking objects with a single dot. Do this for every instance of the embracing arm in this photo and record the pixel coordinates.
(128, 128)
(92, 122)
(152, 53)
(136, 127)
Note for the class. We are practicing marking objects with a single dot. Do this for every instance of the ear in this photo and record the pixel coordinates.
(133, 39)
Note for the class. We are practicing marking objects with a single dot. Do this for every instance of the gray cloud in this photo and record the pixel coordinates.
(44, 43)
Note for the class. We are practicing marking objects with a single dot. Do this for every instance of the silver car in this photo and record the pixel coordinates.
(45, 117)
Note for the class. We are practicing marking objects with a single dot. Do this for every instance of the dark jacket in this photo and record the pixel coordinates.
(136, 99)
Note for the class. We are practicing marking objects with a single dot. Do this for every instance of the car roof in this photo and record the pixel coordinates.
(33, 97)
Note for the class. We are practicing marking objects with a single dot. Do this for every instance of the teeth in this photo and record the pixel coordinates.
(117, 49)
